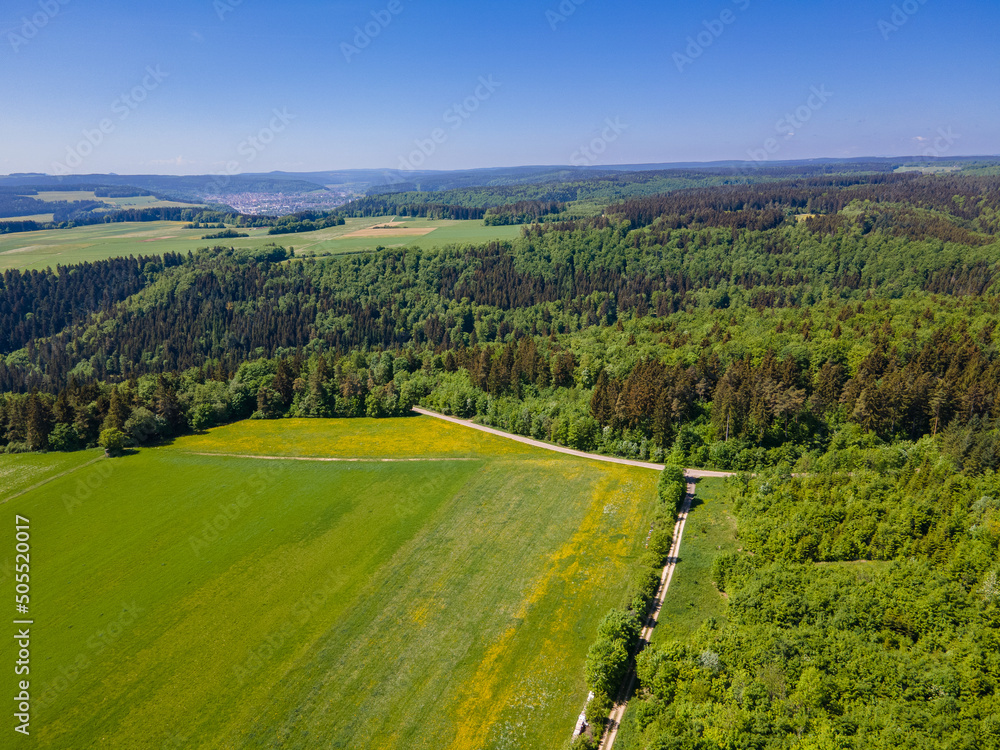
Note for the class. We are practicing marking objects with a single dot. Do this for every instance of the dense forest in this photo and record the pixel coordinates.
(863, 613)
(726, 345)
(832, 337)
(519, 212)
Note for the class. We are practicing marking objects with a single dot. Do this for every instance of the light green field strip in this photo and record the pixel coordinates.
(39, 250)
(711, 532)
(203, 601)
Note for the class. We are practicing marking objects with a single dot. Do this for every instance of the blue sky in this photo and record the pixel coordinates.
(684, 81)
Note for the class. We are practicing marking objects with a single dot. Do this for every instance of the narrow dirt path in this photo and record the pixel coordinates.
(618, 712)
(323, 459)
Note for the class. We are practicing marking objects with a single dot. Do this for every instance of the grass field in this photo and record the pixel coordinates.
(138, 201)
(19, 472)
(38, 250)
(54, 196)
(709, 532)
(192, 601)
(33, 217)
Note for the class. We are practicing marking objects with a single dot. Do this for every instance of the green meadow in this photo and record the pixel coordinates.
(139, 201)
(440, 590)
(19, 472)
(693, 597)
(38, 250)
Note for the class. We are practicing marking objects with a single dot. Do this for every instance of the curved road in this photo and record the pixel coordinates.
(692, 475)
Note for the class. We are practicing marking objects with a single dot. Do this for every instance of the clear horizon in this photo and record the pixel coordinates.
(776, 162)
(225, 86)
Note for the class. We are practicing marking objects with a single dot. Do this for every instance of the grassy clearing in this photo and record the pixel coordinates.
(138, 201)
(412, 437)
(33, 217)
(443, 232)
(54, 196)
(38, 250)
(710, 532)
(362, 605)
(19, 472)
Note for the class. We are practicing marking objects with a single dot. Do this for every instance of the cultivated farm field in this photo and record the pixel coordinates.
(39, 250)
(426, 586)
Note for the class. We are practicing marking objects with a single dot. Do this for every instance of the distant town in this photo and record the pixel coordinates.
(280, 204)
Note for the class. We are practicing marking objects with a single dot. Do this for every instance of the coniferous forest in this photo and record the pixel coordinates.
(832, 337)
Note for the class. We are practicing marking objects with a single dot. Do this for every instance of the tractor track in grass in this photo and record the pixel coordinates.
(50, 479)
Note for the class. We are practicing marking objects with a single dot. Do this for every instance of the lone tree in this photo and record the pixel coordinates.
(113, 441)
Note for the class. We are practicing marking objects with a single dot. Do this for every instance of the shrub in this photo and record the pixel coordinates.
(598, 711)
(585, 742)
(113, 441)
(619, 625)
(144, 426)
(642, 587)
(607, 665)
(721, 567)
(659, 668)
(672, 487)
